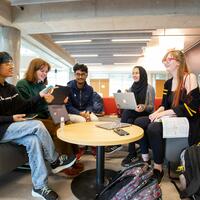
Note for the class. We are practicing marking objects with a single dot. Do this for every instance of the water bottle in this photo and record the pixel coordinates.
(62, 122)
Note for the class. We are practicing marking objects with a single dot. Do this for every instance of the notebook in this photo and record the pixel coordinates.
(112, 125)
(125, 100)
(58, 111)
(60, 93)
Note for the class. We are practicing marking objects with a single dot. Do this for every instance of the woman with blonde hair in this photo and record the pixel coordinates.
(181, 98)
(35, 80)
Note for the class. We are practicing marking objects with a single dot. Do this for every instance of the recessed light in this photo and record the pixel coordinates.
(72, 41)
(124, 63)
(124, 55)
(84, 55)
(93, 64)
(131, 40)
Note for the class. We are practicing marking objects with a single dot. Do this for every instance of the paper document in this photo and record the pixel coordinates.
(175, 127)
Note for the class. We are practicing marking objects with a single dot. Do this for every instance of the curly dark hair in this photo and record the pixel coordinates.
(80, 67)
(5, 57)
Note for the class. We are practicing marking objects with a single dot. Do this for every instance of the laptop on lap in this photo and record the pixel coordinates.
(125, 100)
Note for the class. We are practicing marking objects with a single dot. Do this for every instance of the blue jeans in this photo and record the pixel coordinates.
(34, 136)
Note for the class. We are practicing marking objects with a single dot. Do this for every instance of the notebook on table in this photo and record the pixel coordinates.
(112, 125)
(125, 100)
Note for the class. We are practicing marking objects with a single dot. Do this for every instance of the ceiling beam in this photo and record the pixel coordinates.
(28, 2)
(106, 15)
(47, 41)
(5, 13)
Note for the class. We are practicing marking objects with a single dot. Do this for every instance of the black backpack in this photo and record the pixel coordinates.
(190, 159)
(135, 182)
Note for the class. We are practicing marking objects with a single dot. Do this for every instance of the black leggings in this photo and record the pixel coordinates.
(153, 133)
(129, 116)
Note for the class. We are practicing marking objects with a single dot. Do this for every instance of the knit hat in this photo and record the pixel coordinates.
(5, 57)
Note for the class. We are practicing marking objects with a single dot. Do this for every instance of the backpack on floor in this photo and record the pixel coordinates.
(190, 177)
(133, 183)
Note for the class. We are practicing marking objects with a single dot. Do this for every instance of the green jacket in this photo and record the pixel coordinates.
(28, 90)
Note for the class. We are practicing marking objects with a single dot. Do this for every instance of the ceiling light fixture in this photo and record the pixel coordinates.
(131, 40)
(84, 55)
(93, 64)
(124, 63)
(126, 55)
(72, 41)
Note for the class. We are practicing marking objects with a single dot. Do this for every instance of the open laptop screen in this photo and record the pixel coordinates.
(125, 100)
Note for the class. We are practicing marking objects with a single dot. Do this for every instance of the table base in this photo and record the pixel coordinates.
(84, 185)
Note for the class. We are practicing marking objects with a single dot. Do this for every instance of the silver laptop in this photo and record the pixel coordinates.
(58, 111)
(112, 125)
(125, 100)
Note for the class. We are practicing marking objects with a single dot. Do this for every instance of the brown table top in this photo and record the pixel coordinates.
(87, 133)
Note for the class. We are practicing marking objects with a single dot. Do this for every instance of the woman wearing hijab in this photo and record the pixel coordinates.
(144, 95)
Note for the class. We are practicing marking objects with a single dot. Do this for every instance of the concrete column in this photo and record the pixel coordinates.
(10, 41)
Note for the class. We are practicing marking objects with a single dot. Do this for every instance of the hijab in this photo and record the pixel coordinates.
(139, 88)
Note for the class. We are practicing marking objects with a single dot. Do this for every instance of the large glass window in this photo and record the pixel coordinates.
(59, 73)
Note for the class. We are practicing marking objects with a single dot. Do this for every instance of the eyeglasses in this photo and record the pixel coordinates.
(168, 60)
(80, 74)
(8, 64)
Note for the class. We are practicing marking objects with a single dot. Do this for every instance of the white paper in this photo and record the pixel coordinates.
(175, 127)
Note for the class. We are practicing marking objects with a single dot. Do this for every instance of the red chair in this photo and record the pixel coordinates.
(157, 102)
(110, 107)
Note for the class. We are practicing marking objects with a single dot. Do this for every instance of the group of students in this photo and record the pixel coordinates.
(181, 98)
(39, 136)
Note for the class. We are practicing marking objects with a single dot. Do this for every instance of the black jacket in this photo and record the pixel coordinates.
(11, 103)
(79, 99)
(188, 107)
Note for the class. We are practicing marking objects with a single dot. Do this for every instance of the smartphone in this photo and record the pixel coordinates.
(30, 116)
(120, 132)
(48, 89)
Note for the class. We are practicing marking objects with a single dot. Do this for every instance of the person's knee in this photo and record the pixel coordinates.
(93, 117)
(141, 121)
(38, 126)
(153, 130)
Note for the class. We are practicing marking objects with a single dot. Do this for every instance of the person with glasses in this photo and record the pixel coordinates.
(35, 80)
(80, 102)
(181, 98)
(30, 133)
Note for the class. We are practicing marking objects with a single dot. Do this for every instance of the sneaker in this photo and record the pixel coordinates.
(129, 160)
(158, 175)
(70, 172)
(63, 162)
(112, 149)
(45, 193)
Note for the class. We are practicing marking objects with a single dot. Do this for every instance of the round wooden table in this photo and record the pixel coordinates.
(87, 133)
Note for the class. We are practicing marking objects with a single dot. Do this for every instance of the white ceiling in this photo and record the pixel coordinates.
(167, 24)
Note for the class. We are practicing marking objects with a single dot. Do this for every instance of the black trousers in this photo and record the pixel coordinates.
(153, 136)
(129, 116)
